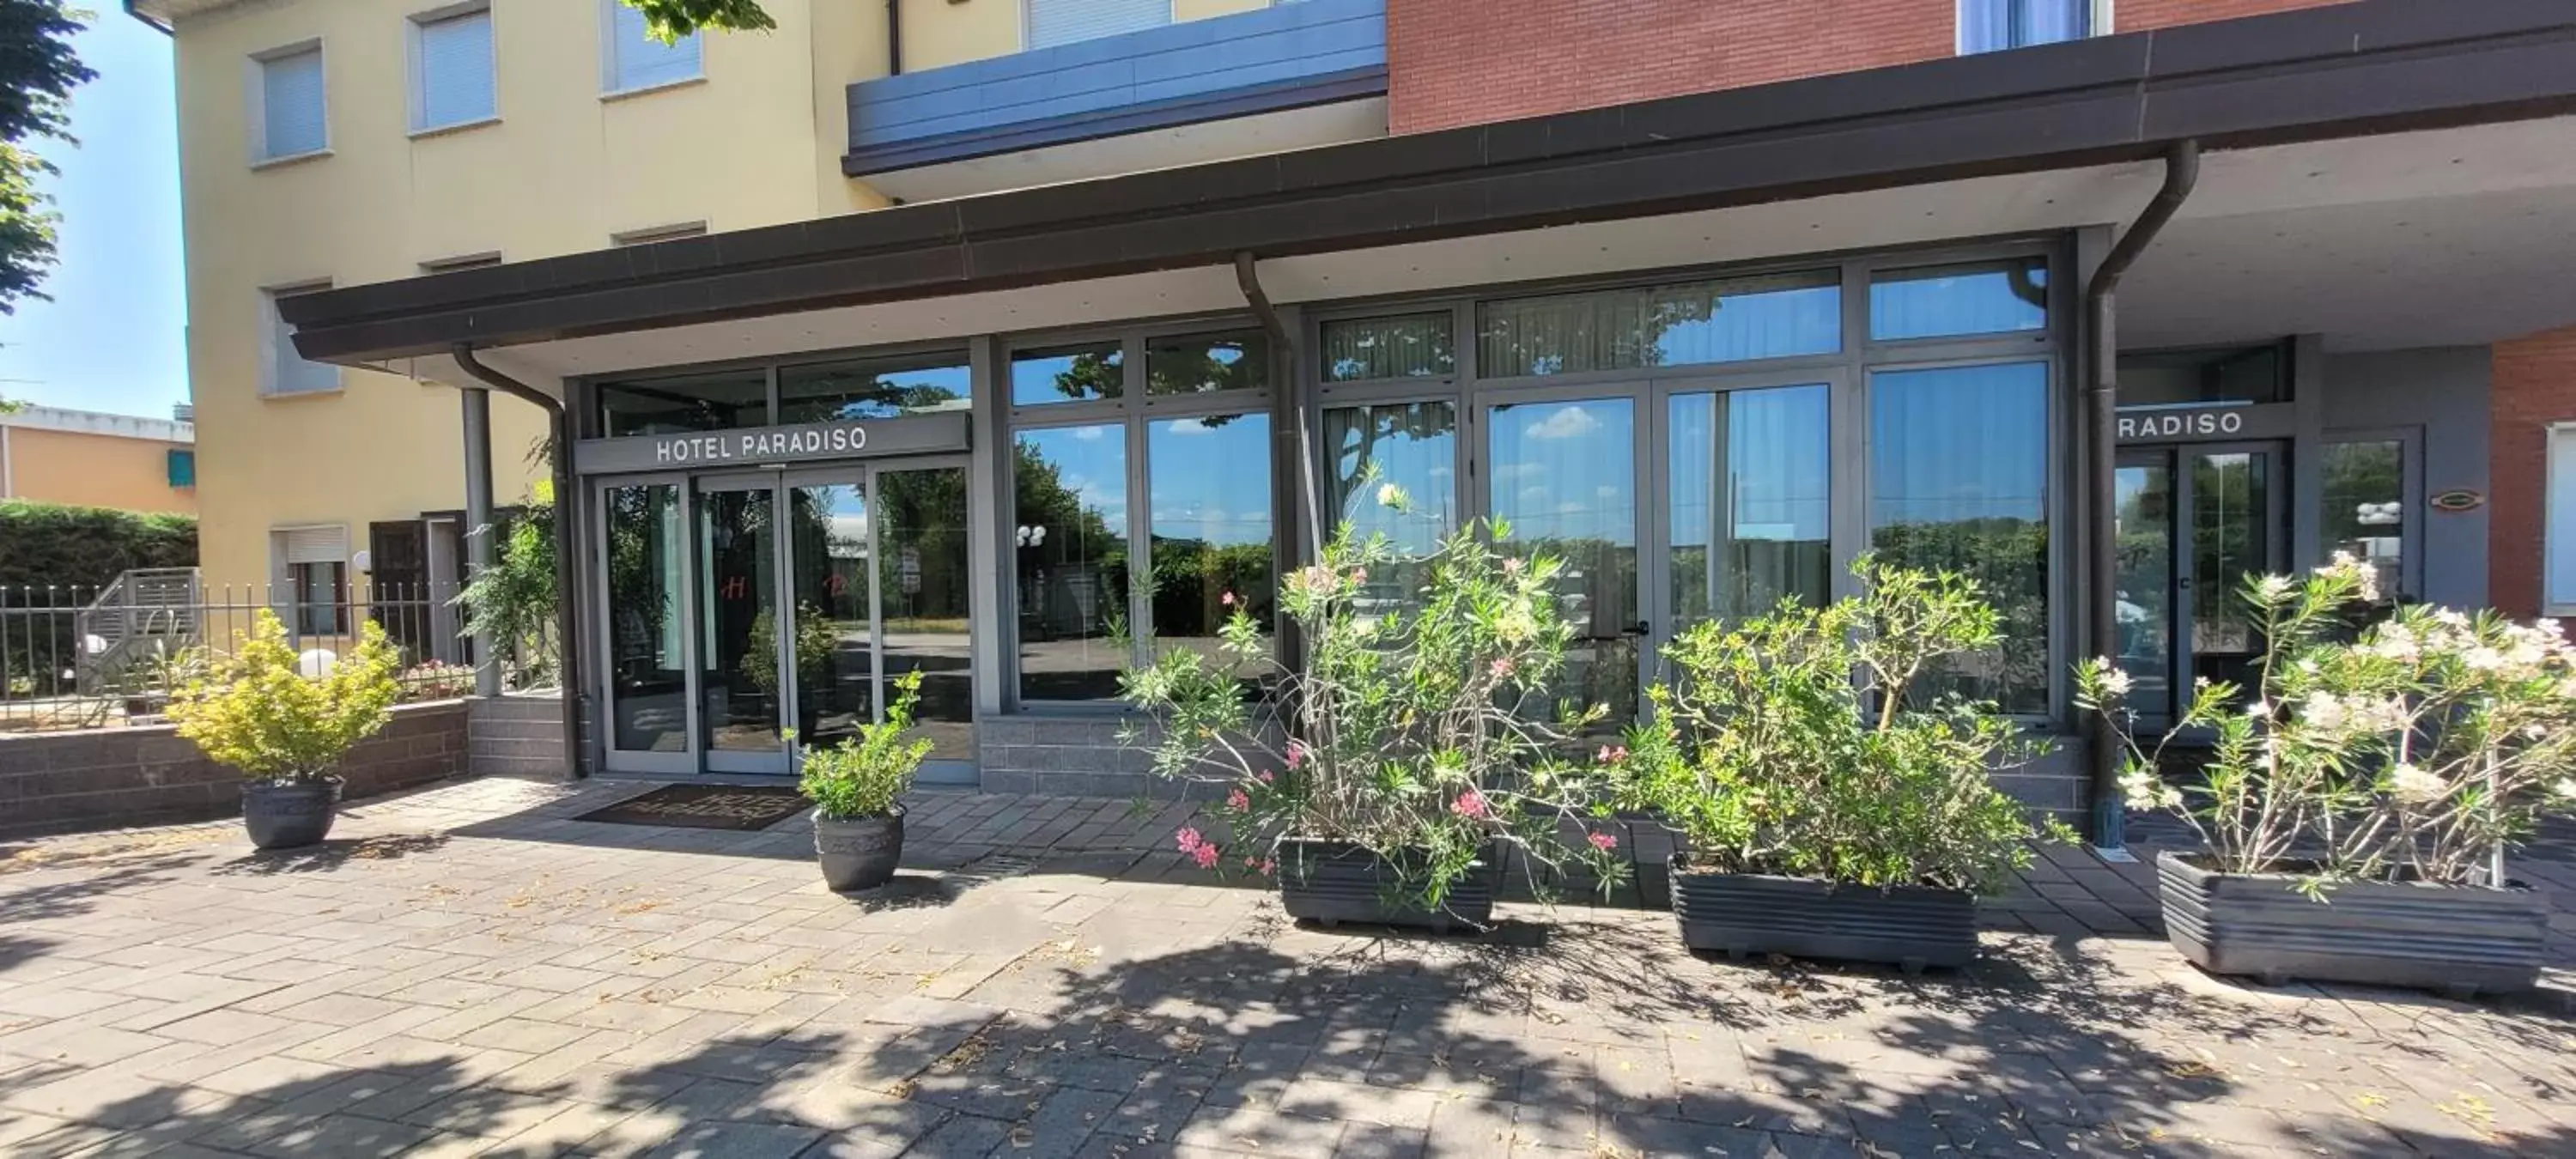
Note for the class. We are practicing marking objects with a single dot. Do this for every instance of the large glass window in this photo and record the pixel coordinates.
(2365, 507)
(1751, 502)
(699, 402)
(1412, 446)
(1993, 25)
(1998, 297)
(1958, 480)
(1405, 346)
(1565, 482)
(874, 388)
(1070, 554)
(1733, 320)
(1209, 485)
(1068, 374)
(1206, 365)
(648, 702)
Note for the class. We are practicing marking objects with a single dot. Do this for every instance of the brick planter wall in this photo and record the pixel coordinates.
(517, 736)
(113, 778)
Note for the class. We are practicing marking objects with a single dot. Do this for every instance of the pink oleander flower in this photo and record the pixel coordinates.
(1191, 842)
(1471, 805)
(1266, 777)
(1604, 842)
(1206, 856)
(1359, 575)
(1511, 565)
(1269, 866)
(1502, 667)
(1611, 754)
(1237, 801)
(1296, 754)
(1227, 599)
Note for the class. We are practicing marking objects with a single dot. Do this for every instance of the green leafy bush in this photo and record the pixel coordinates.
(257, 712)
(863, 775)
(47, 544)
(1800, 743)
(1420, 736)
(2419, 750)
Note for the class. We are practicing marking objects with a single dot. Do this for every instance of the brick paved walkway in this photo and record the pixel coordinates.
(467, 971)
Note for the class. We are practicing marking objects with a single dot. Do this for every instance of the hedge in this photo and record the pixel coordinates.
(47, 544)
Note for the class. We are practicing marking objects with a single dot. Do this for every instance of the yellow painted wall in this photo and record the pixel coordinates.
(87, 470)
(757, 142)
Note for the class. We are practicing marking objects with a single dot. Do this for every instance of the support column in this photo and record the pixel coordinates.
(478, 524)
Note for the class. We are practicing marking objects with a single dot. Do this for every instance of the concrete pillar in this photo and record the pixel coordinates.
(478, 525)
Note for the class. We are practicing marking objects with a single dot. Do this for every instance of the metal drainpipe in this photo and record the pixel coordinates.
(1313, 516)
(567, 641)
(2102, 404)
(894, 37)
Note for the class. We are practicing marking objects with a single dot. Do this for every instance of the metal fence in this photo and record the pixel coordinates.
(76, 657)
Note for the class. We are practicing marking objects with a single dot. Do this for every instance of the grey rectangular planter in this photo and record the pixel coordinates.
(1332, 883)
(1742, 914)
(2460, 939)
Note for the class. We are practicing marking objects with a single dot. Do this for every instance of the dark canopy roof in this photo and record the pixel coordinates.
(2340, 70)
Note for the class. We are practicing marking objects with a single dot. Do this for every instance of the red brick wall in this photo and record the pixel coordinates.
(1469, 62)
(2139, 15)
(2534, 386)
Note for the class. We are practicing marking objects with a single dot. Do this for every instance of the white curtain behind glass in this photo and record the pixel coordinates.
(1989, 25)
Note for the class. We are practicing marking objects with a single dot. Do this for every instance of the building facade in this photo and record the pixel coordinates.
(1710, 299)
(88, 459)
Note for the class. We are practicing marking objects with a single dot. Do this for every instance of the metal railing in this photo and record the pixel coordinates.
(81, 657)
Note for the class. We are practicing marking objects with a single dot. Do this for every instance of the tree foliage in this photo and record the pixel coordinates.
(38, 71)
(670, 20)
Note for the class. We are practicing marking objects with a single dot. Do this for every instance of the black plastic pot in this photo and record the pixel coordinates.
(859, 852)
(291, 814)
(1334, 882)
(1742, 914)
(2462, 940)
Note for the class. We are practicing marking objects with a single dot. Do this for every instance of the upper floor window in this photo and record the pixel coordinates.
(291, 120)
(1054, 22)
(1989, 25)
(630, 59)
(287, 372)
(451, 68)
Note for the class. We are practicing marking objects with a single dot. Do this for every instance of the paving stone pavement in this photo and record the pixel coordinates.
(467, 971)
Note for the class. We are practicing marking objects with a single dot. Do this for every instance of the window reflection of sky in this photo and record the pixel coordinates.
(1958, 444)
(1210, 478)
(1778, 466)
(1567, 470)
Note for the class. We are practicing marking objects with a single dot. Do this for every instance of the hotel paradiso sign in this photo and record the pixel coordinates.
(753, 448)
(2214, 423)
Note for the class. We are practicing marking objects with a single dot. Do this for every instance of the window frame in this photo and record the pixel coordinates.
(415, 45)
(2410, 496)
(2552, 535)
(256, 97)
(2097, 22)
(611, 78)
(1847, 371)
(288, 574)
(1027, 10)
(277, 347)
(1134, 412)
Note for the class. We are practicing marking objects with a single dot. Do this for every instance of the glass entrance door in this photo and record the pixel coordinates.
(1564, 474)
(738, 607)
(2193, 522)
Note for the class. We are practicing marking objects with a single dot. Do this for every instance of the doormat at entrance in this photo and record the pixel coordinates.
(705, 807)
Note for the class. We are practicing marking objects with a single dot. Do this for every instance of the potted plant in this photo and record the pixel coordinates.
(287, 732)
(1388, 777)
(1833, 787)
(855, 786)
(2355, 805)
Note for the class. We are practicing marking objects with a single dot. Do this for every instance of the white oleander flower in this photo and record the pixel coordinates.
(1391, 496)
(2324, 710)
(2272, 587)
(2115, 681)
(2415, 785)
(2565, 789)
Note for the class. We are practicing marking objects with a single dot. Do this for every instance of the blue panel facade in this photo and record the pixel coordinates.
(1282, 57)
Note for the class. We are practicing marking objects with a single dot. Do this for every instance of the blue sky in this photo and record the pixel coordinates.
(114, 337)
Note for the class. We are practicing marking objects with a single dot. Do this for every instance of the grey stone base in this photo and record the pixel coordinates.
(517, 736)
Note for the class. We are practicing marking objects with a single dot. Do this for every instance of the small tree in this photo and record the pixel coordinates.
(1802, 742)
(2422, 749)
(670, 20)
(864, 775)
(512, 602)
(257, 712)
(1422, 737)
(38, 71)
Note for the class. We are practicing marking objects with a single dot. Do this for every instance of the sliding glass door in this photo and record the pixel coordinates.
(740, 607)
(1563, 474)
